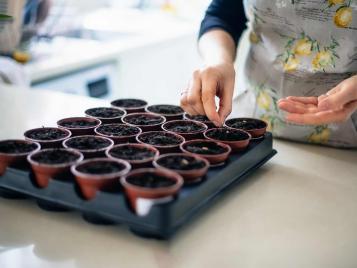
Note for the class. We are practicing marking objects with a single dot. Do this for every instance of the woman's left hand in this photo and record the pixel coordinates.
(336, 106)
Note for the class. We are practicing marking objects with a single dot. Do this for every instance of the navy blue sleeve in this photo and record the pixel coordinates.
(227, 15)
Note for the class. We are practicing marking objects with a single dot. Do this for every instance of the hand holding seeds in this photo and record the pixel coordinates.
(336, 106)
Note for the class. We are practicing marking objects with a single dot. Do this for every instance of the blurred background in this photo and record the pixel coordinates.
(101, 48)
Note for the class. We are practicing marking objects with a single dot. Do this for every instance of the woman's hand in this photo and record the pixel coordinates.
(335, 106)
(205, 85)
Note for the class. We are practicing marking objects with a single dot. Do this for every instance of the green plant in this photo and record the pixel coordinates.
(5, 17)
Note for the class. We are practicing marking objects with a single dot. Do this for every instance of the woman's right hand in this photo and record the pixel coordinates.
(207, 83)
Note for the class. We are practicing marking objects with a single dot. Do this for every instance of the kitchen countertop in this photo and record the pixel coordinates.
(299, 210)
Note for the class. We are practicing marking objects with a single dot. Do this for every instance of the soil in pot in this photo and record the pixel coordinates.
(118, 130)
(17, 147)
(80, 123)
(105, 112)
(160, 138)
(87, 143)
(54, 157)
(129, 152)
(182, 126)
(225, 134)
(165, 109)
(129, 103)
(46, 134)
(206, 148)
(246, 123)
(144, 120)
(97, 168)
(150, 180)
(181, 162)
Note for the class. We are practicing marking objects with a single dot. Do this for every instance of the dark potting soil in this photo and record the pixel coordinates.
(180, 162)
(205, 147)
(87, 143)
(165, 109)
(16, 147)
(79, 123)
(132, 153)
(200, 118)
(118, 130)
(150, 180)
(129, 103)
(225, 134)
(184, 127)
(101, 167)
(144, 120)
(55, 156)
(160, 139)
(46, 134)
(246, 124)
(104, 112)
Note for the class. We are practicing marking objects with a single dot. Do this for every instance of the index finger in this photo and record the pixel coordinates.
(209, 89)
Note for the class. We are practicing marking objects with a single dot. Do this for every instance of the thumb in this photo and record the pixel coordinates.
(337, 100)
(225, 101)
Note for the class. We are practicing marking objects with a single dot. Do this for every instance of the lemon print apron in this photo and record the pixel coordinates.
(298, 48)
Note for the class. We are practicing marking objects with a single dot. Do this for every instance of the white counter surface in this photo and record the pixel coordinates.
(299, 210)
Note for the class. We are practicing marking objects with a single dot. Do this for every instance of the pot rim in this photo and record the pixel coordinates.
(163, 114)
(106, 118)
(105, 176)
(68, 132)
(206, 167)
(118, 124)
(225, 141)
(161, 146)
(164, 127)
(129, 108)
(36, 163)
(246, 118)
(144, 113)
(228, 148)
(163, 172)
(157, 153)
(98, 122)
(89, 150)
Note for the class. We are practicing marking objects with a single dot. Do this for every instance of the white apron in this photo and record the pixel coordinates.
(297, 48)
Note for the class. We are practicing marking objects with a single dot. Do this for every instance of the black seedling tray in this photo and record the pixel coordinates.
(163, 219)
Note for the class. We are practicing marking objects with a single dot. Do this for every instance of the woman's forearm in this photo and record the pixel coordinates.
(216, 47)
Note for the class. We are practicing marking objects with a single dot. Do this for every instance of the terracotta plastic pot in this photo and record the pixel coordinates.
(189, 175)
(130, 105)
(214, 159)
(107, 115)
(178, 127)
(12, 153)
(170, 112)
(85, 129)
(154, 138)
(48, 137)
(142, 198)
(46, 171)
(105, 131)
(89, 152)
(99, 174)
(254, 127)
(201, 119)
(236, 145)
(146, 161)
(147, 126)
